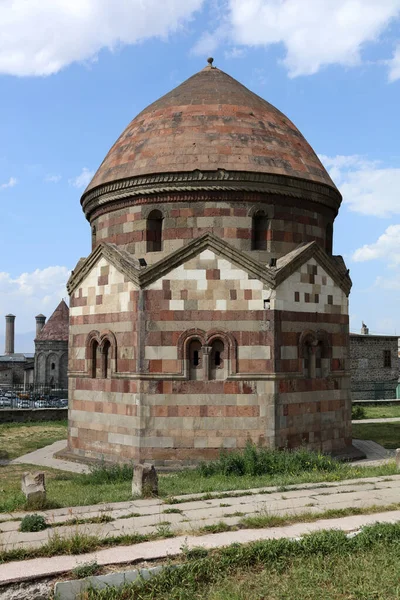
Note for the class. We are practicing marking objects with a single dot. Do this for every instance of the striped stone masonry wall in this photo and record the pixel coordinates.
(104, 413)
(312, 410)
(182, 221)
(155, 405)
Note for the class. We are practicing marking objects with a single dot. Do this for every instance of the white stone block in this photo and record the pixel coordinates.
(176, 304)
(220, 305)
(207, 255)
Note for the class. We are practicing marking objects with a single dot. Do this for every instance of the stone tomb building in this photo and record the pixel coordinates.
(51, 348)
(211, 310)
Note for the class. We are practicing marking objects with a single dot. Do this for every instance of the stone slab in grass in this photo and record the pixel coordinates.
(70, 590)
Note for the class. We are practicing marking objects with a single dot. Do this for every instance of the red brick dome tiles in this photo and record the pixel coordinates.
(210, 122)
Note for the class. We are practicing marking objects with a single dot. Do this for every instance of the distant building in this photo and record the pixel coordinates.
(49, 365)
(51, 348)
(374, 365)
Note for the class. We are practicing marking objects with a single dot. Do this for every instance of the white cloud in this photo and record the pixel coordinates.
(314, 33)
(40, 37)
(367, 187)
(235, 53)
(28, 294)
(82, 180)
(387, 246)
(394, 65)
(52, 178)
(10, 183)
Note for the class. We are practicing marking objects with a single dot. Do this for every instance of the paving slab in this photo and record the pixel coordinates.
(44, 458)
(120, 555)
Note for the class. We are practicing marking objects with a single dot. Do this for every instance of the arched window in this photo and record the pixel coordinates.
(309, 361)
(93, 236)
(217, 360)
(154, 231)
(106, 359)
(94, 355)
(259, 232)
(329, 238)
(195, 360)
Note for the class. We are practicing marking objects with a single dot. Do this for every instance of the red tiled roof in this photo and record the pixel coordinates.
(57, 326)
(209, 122)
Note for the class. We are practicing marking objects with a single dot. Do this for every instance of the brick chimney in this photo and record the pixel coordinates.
(364, 329)
(10, 334)
(40, 322)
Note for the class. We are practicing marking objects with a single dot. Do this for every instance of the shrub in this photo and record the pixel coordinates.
(357, 413)
(109, 473)
(33, 523)
(263, 461)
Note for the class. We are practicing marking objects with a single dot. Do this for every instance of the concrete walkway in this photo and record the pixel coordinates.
(375, 453)
(120, 555)
(388, 420)
(44, 458)
(187, 515)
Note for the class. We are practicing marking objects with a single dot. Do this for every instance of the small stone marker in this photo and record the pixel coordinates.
(145, 480)
(398, 459)
(34, 487)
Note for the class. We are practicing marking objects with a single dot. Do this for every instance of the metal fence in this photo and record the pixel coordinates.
(32, 396)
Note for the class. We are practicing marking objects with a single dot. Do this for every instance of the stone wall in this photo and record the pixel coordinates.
(288, 225)
(370, 379)
(21, 415)
(312, 409)
(139, 392)
(51, 363)
(12, 373)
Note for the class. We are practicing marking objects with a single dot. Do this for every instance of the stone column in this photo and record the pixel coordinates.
(40, 322)
(10, 334)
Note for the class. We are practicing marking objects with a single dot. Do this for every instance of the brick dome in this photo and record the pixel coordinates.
(210, 123)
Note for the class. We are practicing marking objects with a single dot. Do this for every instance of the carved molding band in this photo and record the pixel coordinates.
(207, 181)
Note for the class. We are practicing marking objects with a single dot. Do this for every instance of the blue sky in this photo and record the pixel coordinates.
(73, 74)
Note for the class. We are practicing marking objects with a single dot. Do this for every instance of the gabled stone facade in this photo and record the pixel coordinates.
(211, 310)
(51, 349)
(138, 391)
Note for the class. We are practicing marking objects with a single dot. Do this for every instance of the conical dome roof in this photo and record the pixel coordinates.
(57, 327)
(209, 122)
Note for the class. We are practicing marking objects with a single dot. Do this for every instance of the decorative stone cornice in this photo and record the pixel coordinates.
(135, 189)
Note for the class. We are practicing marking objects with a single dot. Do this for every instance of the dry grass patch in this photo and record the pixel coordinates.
(17, 439)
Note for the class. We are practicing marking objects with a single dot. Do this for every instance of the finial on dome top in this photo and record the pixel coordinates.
(210, 62)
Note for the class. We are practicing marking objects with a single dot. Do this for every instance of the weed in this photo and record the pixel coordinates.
(256, 461)
(163, 530)
(216, 528)
(86, 570)
(109, 473)
(172, 511)
(33, 523)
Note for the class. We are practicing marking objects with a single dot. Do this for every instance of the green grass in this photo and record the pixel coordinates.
(382, 411)
(70, 489)
(252, 468)
(322, 566)
(386, 434)
(17, 439)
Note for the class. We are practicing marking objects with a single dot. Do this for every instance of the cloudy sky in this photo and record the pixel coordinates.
(73, 73)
